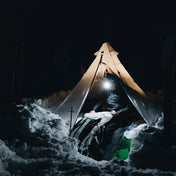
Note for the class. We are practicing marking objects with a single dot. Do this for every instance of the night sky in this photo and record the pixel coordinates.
(49, 43)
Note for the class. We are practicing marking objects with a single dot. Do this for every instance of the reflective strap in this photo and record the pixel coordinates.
(79, 126)
(82, 146)
(81, 129)
(97, 140)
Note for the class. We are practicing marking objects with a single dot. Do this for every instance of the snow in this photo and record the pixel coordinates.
(46, 149)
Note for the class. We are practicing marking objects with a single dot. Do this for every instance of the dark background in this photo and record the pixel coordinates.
(44, 45)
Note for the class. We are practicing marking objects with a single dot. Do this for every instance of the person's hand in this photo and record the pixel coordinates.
(92, 111)
(113, 113)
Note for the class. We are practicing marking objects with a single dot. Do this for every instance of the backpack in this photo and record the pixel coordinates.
(90, 128)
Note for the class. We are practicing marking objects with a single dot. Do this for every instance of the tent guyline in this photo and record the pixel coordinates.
(106, 57)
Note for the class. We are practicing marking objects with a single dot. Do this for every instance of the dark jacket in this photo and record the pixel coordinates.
(114, 99)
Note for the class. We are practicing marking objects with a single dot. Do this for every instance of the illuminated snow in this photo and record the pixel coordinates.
(49, 151)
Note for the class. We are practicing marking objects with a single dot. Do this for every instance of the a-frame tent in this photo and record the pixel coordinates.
(106, 57)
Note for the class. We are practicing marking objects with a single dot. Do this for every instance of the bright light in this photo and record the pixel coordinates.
(107, 85)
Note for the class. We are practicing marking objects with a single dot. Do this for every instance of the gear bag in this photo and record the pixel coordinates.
(88, 128)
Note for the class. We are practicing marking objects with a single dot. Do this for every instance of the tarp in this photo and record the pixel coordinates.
(150, 111)
(106, 57)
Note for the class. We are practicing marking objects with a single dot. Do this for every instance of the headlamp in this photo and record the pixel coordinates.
(107, 85)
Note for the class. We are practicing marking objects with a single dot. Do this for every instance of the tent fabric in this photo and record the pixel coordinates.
(106, 57)
(77, 96)
(150, 111)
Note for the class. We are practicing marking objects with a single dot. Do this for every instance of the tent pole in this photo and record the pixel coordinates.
(91, 82)
(96, 71)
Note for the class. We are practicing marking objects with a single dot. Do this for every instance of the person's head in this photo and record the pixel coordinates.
(113, 80)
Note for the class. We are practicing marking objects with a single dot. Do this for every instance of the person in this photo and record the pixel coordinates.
(116, 101)
(113, 99)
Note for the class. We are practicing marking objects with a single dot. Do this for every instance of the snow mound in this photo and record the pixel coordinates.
(148, 149)
(44, 148)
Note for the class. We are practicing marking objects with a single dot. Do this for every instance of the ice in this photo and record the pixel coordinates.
(46, 149)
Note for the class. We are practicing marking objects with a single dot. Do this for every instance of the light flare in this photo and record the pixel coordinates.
(107, 85)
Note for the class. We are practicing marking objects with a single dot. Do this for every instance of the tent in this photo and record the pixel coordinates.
(106, 58)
